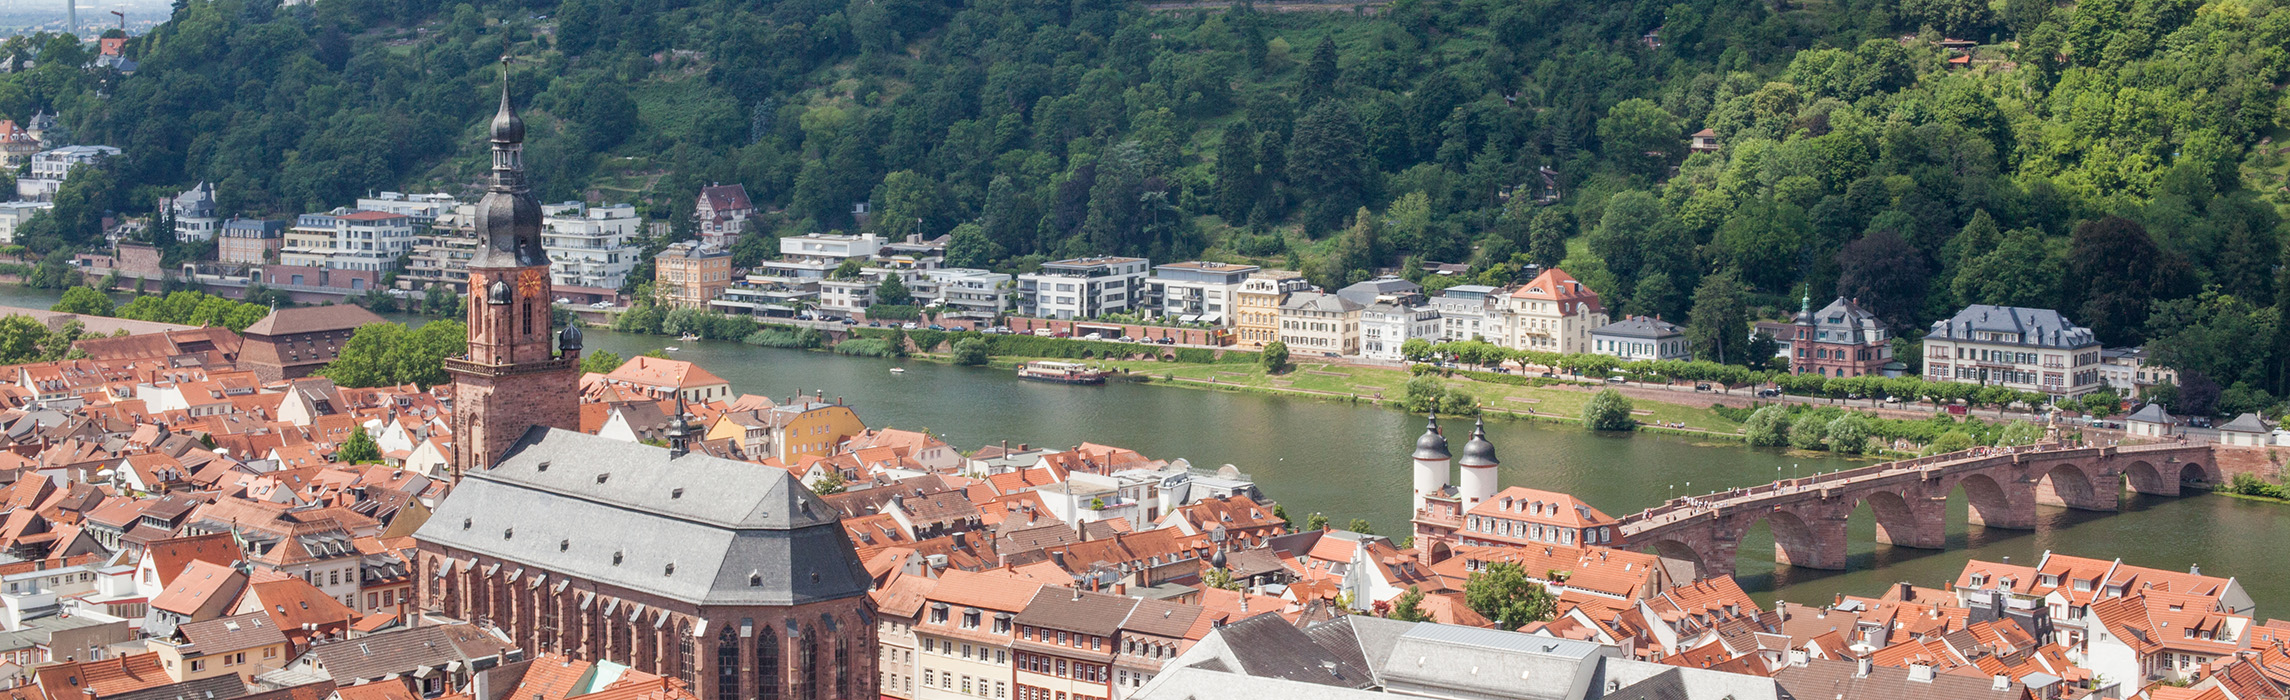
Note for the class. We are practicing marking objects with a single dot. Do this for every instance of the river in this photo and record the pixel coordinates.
(1352, 462)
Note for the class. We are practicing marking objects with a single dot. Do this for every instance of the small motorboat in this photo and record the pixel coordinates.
(687, 337)
(898, 370)
(670, 348)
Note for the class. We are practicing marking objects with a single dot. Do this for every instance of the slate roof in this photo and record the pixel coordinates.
(1822, 678)
(1087, 613)
(1320, 302)
(2152, 413)
(1365, 293)
(1268, 646)
(307, 319)
(404, 651)
(2041, 328)
(223, 687)
(1640, 327)
(695, 528)
(231, 633)
(2245, 423)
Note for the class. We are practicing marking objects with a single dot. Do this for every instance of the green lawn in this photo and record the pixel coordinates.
(1368, 382)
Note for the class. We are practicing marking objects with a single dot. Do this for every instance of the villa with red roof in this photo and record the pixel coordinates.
(1554, 313)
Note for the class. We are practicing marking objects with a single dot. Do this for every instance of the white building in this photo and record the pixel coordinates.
(965, 290)
(810, 257)
(1083, 288)
(2129, 373)
(2014, 347)
(2246, 430)
(1553, 313)
(14, 214)
(423, 209)
(348, 239)
(1385, 326)
(1319, 323)
(1469, 311)
(589, 246)
(50, 167)
(1641, 338)
(194, 212)
(1197, 291)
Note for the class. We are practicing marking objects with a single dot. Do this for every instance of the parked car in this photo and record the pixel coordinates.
(563, 300)
(1127, 339)
(956, 328)
(850, 322)
(1094, 336)
(1168, 341)
(937, 327)
(1043, 332)
(907, 326)
(1768, 393)
(1702, 387)
(601, 305)
(874, 324)
(1616, 379)
(1550, 375)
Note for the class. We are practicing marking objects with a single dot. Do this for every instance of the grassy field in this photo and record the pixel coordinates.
(1561, 402)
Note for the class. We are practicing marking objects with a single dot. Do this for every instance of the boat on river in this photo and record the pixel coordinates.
(1061, 372)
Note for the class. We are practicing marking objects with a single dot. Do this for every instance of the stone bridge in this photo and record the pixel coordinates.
(1910, 500)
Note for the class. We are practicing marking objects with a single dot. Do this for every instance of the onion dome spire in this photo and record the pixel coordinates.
(1433, 444)
(1479, 452)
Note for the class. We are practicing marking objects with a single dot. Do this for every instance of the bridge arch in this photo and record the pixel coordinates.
(1991, 505)
(2145, 478)
(1902, 522)
(2195, 475)
(2068, 485)
(1680, 551)
(1796, 544)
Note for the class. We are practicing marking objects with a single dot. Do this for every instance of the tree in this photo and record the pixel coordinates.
(1275, 357)
(1315, 522)
(599, 362)
(1318, 79)
(440, 300)
(1718, 328)
(1640, 133)
(1502, 592)
(358, 449)
(85, 301)
(1848, 434)
(892, 292)
(970, 351)
(1238, 184)
(968, 246)
(1219, 579)
(2116, 272)
(1408, 607)
(2019, 270)
(1887, 275)
(1810, 431)
(1768, 427)
(1609, 410)
(1360, 525)
(1547, 234)
(386, 354)
(1324, 163)
(829, 484)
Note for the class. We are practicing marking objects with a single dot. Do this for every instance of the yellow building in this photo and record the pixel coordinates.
(248, 645)
(789, 433)
(687, 275)
(1256, 305)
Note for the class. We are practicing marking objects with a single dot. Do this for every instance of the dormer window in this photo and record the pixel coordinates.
(616, 557)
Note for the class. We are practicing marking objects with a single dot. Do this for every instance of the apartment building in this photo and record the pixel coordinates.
(688, 274)
(589, 246)
(1197, 291)
(49, 168)
(1840, 340)
(1641, 338)
(441, 251)
(1257, 305)
(348, 239)
(14, 214)
(249, 241)
(1554, 313)
(422, 209)
(1083, 288)
(1319, 323)
(1468, 311)
(812, 256)
(965, 633)
(965, 290)
(2014, 347)
(1385, 326)
(2130, 371)
(1066, 644)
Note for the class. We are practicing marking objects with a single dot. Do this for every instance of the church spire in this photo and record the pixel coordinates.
(508, 132)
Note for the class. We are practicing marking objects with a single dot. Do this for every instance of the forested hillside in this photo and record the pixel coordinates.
(2112, 159)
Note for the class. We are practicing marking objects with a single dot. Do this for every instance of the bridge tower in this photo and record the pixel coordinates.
(1432, 463)
(1479, 467)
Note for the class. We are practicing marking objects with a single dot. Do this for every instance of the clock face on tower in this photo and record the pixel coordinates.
(529, 283)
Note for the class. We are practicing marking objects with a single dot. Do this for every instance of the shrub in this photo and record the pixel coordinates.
(783, 337)
(1848, 435)
(866, 347)
(970, 351)
(1950, 441)
(1809, 431)
(1768, 427)
(1275, 356)
(1427, 394)
(1609, 410)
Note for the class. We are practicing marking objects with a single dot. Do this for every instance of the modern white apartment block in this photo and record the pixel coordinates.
(50, 167)
(1468, 311)
(1197, 291)
(966, 290)
(590, 246)
(1385, 326)
(1083, 288)
(811, 256)
(348, 239)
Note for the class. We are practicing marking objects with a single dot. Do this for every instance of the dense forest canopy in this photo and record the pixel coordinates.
(2115, 159)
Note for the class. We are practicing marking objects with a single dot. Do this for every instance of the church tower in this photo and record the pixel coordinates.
(512, 379)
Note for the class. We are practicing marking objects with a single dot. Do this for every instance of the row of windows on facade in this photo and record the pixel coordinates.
(229, 660)
(1535, 532)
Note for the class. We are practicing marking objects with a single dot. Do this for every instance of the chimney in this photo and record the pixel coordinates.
(2194, 569)
(2001, 683)
(1920, 672)
(1861, 669)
